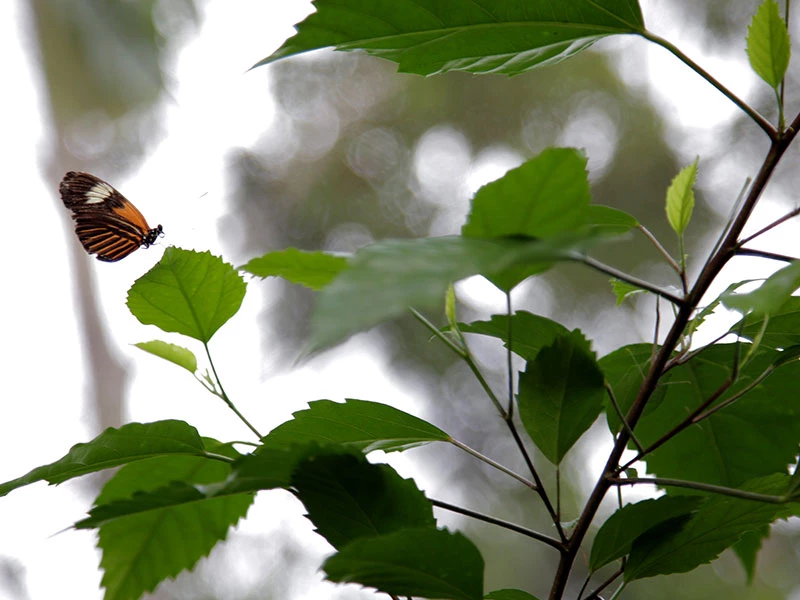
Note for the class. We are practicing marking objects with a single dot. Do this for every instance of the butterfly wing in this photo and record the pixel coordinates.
(107, 224)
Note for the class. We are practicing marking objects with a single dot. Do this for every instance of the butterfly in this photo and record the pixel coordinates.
(106, 222)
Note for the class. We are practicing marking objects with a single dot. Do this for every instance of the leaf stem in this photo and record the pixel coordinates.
(699, 486)
(750, 112)
(499, 522)
(492, 463)
(622, 276)
(654, 240)
(222, 395)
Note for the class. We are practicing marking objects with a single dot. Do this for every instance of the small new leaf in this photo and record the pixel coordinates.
(768, 44)
(680, 198)
(183, 357)
(623, 289)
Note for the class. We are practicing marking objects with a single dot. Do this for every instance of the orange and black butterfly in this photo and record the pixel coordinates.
(106, 222)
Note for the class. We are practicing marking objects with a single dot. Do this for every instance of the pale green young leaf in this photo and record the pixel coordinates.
(768, 44)
(183, 357)
(680, 198)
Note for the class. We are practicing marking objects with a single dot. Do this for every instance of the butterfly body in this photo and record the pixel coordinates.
(107, 224)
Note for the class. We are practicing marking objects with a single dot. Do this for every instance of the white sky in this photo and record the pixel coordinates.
(217, 105)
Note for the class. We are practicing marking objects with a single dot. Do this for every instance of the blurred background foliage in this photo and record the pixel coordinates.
(358, 153)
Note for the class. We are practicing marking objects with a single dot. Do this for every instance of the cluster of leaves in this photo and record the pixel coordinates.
(717, 426)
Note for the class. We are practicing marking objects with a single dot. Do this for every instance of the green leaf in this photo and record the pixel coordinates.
(560, 395)
(155, 484)
(530, 333)
(771, 296)
(114, 447)
(680, 198)
(701, 316)
(783, 329)
(623, 289)
(429, 563)
(388, 277)
(545, 196)
(144, 549)
(753, 437)
(193, 293)
(610, 221)
(617, 535)
(314, 270)
(768, 44)
(509, 594)
(488, 36)
(348, 498)
(747, 549)
(183, 357)
(359, 424)
(625, 370)
(715, 526)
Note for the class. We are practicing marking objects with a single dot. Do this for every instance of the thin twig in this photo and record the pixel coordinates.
(699, 486)
(509, 357)
(500, 523)
(492, 463)
(224, 396)
(765, 254)
(783, 219)
(752, 113)
(767, 372)
(621, 416)
(649, 235)
(622, 276)
(680, 426)
(613, 577)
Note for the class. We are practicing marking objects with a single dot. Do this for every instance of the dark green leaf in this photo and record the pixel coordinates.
(545, 196)
(348, 498)
(530, 333)
(509, 595)
(486, 36)
(715, 526)
(143, 549)
(618, 533)
(183, 357)
(747, 548)
(768, 44)
(783, 328)
(625, 370)
(429, 563)
(560, 395)
(314, 270)
(755, 436)
(114, 447)
(363, 425)
(193, 293)
(386, 278)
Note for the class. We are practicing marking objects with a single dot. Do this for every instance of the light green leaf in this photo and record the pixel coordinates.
(193, 293)
(680, 198)
(314, 270)
(768, 45)
(388, 277)
(478, 36)
(545, 196)
(770, 296)
(623, 289)
(183, 357)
